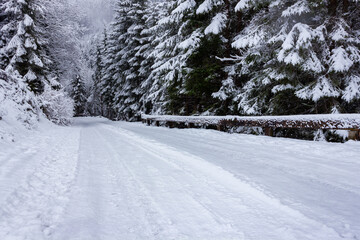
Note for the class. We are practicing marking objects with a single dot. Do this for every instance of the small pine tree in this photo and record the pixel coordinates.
(79, 96)
(95, 103)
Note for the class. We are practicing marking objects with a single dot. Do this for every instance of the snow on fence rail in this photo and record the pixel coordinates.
(350, 122)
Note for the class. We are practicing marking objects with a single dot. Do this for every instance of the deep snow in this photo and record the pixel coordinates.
(116, 180)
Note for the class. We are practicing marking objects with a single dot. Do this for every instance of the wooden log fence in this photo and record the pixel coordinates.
(348, 122)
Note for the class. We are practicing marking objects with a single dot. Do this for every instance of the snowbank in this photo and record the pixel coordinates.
(21, 110)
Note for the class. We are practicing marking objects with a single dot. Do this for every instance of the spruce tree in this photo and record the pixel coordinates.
(301, 60)
(129, 84)
(162, 47)
(212, 77)
(177, 40)
(154, 11)
(25, 51)
(95, 102)
(79, 96)
(108, 73)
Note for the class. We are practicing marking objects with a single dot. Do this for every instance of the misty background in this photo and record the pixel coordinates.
(98, 13)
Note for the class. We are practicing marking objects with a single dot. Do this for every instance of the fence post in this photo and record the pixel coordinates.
(170, 124)
(269, 132)
(220, 127)
(354, 134)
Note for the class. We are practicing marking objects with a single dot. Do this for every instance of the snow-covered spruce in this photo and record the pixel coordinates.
(30, 86)
(232, 57)
(309, 52)
(20, 108)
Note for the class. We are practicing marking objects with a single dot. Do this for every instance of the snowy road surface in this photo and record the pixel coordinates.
(115, 180)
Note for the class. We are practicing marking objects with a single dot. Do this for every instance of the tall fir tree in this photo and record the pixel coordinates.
(154, 11)
(176, 40)
(95, 101)
(26, 52)
(128, 99)
(79, 96)
(109, 73)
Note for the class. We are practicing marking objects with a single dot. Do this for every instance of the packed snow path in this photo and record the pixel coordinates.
(114, 180)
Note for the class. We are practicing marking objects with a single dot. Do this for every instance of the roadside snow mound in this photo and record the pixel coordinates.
(57, 106)
(20, 109)
(18, 106)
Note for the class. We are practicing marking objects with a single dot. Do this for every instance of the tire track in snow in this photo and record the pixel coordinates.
(275, 217)
(33, 210)
(11, 162)
(328, 195)
(207, 224)
(140, 204)
(108, 202)
(284, 167)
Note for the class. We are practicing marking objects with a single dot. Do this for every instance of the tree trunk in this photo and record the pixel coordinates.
(332, 7)
(345, 6)
(227, 32)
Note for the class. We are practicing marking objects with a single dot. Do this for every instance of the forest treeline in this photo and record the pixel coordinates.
(247, 57)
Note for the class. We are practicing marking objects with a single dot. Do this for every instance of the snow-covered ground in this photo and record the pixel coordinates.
(116, 180)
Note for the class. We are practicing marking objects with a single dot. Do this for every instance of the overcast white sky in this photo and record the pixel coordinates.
(99, 12)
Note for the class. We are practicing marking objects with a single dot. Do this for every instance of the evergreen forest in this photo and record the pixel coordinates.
(186, 57)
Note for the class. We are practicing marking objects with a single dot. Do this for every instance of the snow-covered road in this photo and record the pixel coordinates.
(116, 180)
